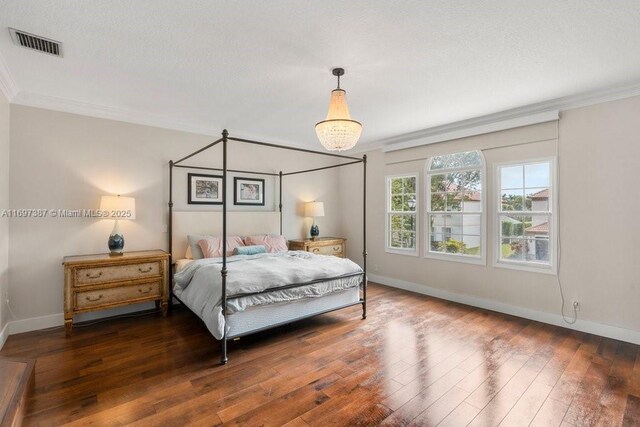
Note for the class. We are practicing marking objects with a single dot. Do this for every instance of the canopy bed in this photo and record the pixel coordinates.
(243, 294)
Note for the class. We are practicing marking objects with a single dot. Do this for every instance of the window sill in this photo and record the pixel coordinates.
(465, 259)
(409, 252)
(510, 265)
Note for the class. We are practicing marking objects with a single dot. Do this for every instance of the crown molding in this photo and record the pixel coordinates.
(7, 84)
(522, 116)
(110, 113)
(128, 116)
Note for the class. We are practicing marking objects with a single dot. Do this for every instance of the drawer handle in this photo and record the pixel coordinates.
(337, 248)
(145, 292)
(94, 276)
(145, 270)
(316, 250)
(99, 297)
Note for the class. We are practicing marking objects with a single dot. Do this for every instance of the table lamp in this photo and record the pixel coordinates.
(117, 207)
(314, 209)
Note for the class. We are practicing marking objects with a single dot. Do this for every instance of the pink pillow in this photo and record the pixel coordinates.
(212, 246)
(271, 243)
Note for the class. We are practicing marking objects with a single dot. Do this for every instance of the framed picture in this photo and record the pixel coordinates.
(205, 189)
(248, 191)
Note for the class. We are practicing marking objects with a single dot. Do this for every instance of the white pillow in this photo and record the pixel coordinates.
(188, 255)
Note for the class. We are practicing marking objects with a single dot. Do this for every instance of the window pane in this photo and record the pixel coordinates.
(438, 183)
(472, 245)
(538, 225)
(468, 181)
(513, 249)
(513, 225)
(511, 177)
(536, 175)
(437, 223)
(409, 203)
(395, 241)
(457, 160)
(512, 200)
(397, 222)
(409, 223)
(537, 199)
(454, 202)
(471, 225)
(472, 202)
(396, 186)
(396, 203)
(454, 245)
(410, 184)
(538, 249)
(436, 243)
(438, 202)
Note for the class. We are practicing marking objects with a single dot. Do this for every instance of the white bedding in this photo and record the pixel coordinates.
(198, 284)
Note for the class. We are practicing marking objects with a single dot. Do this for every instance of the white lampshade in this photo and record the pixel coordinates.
(314, 209)
(338, 132)
(118, 207)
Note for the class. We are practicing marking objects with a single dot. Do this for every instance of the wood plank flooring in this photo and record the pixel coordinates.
(414, 361)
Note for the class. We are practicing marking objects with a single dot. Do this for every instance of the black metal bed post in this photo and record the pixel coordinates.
(170, 231)
(364, 236)
(280, 205)
(223, 342)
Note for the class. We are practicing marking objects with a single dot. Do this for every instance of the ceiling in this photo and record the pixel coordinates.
(262, 69)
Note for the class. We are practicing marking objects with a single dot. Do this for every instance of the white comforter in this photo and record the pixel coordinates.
(199, 285)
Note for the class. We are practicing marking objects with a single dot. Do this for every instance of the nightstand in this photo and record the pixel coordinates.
(322, 245)
(98, 282)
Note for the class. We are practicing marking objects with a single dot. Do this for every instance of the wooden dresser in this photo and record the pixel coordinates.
(322, 245)
(98, 282)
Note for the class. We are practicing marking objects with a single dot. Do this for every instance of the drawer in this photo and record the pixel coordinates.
(116, 295)
(93, 275)
(336, 250)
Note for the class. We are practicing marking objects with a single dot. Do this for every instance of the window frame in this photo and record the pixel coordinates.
(389, 212)
(463, 258)
(552, 267)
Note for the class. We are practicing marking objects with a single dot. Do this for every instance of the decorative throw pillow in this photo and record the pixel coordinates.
(212, 246)
(271, 242)
(193, 239)
(249, 250)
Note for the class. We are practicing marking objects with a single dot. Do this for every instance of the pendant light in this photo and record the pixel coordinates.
(338, 132)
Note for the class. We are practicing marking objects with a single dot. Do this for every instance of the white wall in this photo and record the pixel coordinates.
(66, 161)
(4, 204)
(599, 164)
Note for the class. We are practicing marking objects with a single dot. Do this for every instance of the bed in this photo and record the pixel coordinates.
(244, 294)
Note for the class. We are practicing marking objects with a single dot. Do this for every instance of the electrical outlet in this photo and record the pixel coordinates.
(576, 305)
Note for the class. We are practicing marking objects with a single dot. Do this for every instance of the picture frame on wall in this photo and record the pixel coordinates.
(205, 189)
(248, 191)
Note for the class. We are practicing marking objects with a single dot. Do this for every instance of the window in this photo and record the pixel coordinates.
(455, 206)
(401, 214)
(525, 220)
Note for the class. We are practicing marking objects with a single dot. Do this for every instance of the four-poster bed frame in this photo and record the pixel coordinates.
(225, 140)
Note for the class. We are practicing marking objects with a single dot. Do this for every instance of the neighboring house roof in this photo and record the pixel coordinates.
(538, 229)
(541, 195)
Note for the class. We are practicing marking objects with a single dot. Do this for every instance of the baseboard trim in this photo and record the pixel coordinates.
(587, 326)
(35, 323)
(4, 334)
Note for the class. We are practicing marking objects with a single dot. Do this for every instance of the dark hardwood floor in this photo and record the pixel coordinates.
(416, 360)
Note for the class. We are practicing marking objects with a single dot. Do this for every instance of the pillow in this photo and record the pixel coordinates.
(212, 246)
(189, 254)
(193, 239)
(249, 250)
(270, 242)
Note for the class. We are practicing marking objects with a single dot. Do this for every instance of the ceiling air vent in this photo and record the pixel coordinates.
(31, 41)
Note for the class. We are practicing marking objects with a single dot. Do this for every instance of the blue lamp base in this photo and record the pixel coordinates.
(315, 231)
(116, 241)
(116, 244)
